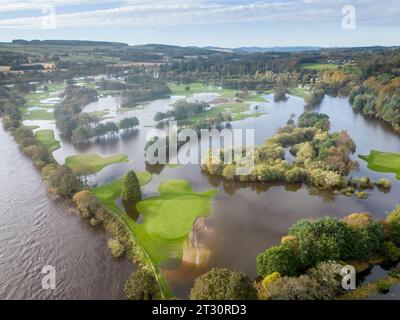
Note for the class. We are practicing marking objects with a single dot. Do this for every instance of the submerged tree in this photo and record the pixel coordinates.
(131, 188)
(223, 284)
(142, 285)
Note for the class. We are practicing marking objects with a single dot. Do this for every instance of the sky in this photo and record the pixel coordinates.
(223, 23)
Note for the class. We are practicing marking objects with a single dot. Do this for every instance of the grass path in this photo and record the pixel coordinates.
(94, 161)
(383, 161)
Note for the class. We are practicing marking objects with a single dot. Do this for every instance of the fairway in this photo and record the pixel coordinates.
(46, 138)
(94, 161)
(383, 162)
(172, 214)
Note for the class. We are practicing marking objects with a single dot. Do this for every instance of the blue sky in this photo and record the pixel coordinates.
(225, 23)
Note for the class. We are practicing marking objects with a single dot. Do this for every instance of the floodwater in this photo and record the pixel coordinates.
(246, 218)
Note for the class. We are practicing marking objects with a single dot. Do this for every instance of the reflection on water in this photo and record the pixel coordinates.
(246, 218)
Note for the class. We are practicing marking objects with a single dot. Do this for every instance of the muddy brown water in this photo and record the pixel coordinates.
(246, 218)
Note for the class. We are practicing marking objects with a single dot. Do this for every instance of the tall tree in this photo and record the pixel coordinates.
(131, 188)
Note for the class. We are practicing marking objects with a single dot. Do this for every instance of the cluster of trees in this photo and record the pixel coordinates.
(307, 253)
(322, 159)
(314, 98)
(280, 92)
(379, 97)
(68, 112)
(183, 110)
(90, 130)
(143, 93)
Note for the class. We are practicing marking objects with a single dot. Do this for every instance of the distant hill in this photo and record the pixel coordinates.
(264, 49)
(70, 43)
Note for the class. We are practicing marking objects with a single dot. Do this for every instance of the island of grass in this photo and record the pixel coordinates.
(46, 138)
(224, 93)
(238, 111)
(94, 161)
(298, 92)
(383, 162)
(168, 218)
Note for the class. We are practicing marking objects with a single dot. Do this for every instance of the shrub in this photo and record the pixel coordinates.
(282, 259)
(384, 183)
(223, 284)
(361, 195)
(328, 274)
(86, 203)
(390, 251)
(229, 172)
(363, 219)
(270, 279)
(142, 285)
(383, 287)
(116, 247)
(301, 288)
(394, 221)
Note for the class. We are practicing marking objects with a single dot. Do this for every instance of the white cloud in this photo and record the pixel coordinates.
(161, 13)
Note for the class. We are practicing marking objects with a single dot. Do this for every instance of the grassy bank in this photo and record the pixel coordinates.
(94, 161)
(383, 162)
(46, 138)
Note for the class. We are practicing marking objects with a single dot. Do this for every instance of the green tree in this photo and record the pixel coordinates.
(131, 188)
(223, 284)
(142, 285)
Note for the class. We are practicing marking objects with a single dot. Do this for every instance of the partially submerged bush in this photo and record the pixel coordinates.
(363, 219)
(142, 285)
(116, 247)
(223, 284)
(282, 259)
(384, 183)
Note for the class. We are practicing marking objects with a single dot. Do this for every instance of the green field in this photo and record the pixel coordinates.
(236, 109)
(298, 92)
(46, 138)
(319, 66)
(168, 218)
(37, 115)
(94, 161)
(383, 162)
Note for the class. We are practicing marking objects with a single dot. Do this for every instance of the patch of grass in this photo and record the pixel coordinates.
(298, 92)
(46, 138)
(383, 162)
(37, 114)
(101, 114)
(319, 66)
(96, 162)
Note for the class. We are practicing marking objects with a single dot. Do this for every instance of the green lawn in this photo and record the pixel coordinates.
(96, 162)
(383, 161)
(319, 66)
(46, 137)
(298, 92)
(168, 218)
(37, 114)
(236, 109)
